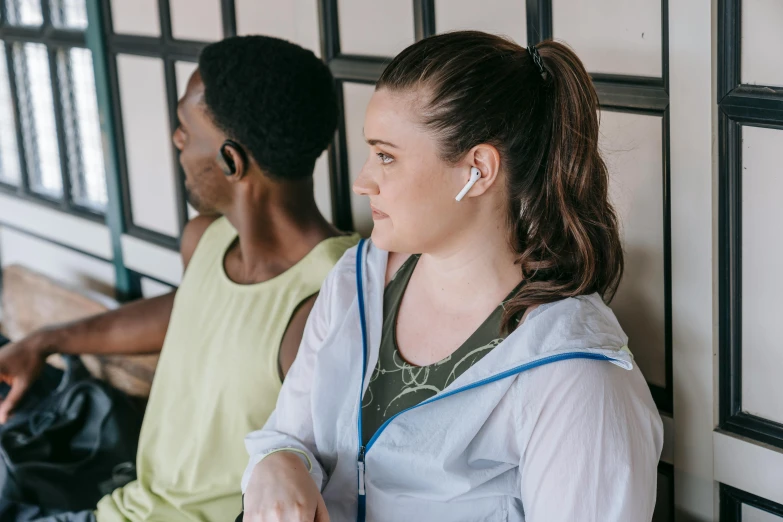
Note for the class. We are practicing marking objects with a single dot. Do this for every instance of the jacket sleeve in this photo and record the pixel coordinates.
(590, 438)
(290, 427)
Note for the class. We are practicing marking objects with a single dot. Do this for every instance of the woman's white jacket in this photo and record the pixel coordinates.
(554, 424)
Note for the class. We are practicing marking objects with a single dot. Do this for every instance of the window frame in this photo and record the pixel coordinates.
(739, 105)
(56, 39)
(170, 50)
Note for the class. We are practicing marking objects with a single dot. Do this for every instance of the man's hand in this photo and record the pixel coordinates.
(281, 490)
(20, 365)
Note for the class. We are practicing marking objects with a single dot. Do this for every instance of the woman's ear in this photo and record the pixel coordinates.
(486, 158)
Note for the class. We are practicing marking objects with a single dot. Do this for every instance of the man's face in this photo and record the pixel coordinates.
(198, 140)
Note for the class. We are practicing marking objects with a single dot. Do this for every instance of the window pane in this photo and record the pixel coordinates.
(69, 14)
(754, 514)
(182, 72)
(36, 109)
(139, 17)
(24, 12)
(149, 154)
(294, 20)
(612, 36)
(375, 27)
(760, 33)
(505, 17)
(762, 283)
(10, 171)
(82, 128)
(196, 20)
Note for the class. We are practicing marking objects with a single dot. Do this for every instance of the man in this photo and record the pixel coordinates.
(256, 115)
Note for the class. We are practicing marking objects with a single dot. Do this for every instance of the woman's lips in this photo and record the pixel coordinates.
(377, 214)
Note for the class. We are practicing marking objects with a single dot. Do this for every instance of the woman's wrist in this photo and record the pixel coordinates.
(292, 453)
(285, 458)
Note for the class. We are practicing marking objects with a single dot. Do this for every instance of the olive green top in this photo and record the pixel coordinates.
(395, 384)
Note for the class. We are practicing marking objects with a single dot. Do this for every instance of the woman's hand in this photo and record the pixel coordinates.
(281, 490)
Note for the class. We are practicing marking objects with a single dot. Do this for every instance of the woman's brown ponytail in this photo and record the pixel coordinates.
(566, 229)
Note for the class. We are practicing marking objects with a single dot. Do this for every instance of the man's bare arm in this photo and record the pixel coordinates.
(136, 328)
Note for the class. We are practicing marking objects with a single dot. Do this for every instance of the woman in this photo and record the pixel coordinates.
(483, 377)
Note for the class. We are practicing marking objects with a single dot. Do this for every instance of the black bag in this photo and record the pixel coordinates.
(63, 447)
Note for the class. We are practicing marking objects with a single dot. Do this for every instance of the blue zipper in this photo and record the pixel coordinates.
(361, 510)
(489, 380)
(361, 454)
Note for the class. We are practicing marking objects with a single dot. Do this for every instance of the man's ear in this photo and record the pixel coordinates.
(222, 164)
(234, 160)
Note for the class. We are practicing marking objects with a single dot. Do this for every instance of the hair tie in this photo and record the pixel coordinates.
(533, 52)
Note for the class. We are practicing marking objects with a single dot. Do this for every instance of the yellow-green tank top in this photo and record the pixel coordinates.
(216, 381)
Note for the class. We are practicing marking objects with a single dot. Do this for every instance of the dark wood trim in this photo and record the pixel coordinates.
(666, 469)
(361, 69)
(228, 10)
(539, 21)
(732, 499)
(423, 18)
(630, 92)
(340, 180)
(729, 46)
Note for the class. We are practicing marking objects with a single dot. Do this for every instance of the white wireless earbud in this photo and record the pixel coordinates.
(475, 175)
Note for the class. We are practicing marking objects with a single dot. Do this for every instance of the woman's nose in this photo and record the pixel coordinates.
(365, 184)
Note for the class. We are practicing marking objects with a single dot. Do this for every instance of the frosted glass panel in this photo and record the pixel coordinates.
(762, 41)
(612, 36)
(762, 280)
(82, 128)
(183, 71)
(632, 148)
(752, 514)
(69, 14)
(10, 169)
(375, 27)
(323, 190)
(148, 146)
(136, 17)
(293, 20)
(357, 96)
(36, 109)
(196, 20)
(505, 17)
(24, 12)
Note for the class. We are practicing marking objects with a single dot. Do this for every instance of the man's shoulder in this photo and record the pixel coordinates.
(337, 247)
(192, 233)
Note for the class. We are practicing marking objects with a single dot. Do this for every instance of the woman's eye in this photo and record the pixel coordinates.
(385, 158)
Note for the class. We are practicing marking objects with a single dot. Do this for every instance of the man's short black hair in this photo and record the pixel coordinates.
(275, 98)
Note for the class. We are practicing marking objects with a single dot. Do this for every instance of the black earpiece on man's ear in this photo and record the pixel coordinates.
(228, 165)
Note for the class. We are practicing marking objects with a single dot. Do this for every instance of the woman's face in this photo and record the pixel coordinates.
(412, 191)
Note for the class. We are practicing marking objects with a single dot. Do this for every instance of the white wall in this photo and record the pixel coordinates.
(57, 262)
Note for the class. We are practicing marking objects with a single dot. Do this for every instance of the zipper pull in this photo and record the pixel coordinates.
(361, 471)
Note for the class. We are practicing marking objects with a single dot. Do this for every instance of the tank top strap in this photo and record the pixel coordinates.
(212, 247)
